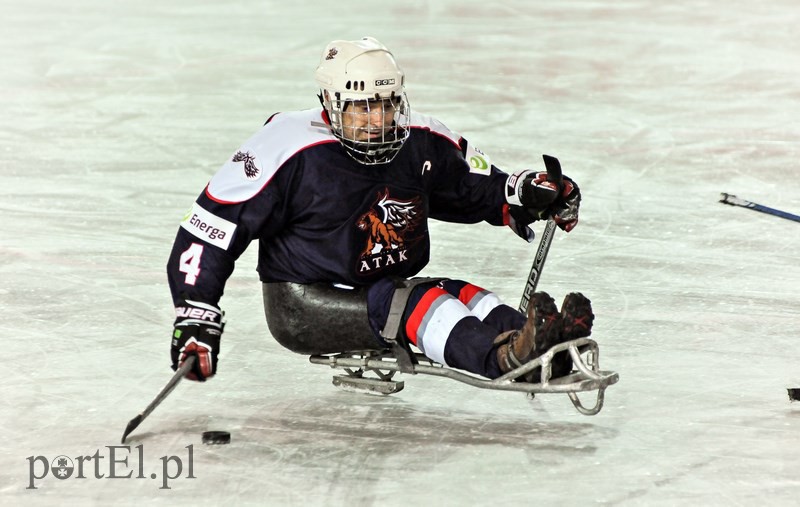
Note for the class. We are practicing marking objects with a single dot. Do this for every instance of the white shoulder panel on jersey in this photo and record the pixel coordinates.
(430, 123)
(479, 162)
(259, 158)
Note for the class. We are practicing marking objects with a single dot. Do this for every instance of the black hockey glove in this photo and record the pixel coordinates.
(530, 196)
(565, 209)
(198, 329)
(532, 191)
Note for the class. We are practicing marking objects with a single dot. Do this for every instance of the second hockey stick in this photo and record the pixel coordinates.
(744, 203)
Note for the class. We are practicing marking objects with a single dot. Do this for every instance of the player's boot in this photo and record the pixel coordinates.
(541, 331)
(576, 322)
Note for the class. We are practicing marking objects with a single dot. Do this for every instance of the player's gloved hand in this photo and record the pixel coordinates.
(530, 197)
(198, 329)
(565, 209)
(532, 191)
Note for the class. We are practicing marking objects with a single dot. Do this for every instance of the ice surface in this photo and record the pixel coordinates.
(115, 114)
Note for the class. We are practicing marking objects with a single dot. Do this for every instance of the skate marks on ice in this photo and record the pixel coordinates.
(390, 425)
(333, 445)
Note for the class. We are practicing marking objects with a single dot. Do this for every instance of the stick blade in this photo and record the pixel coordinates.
(132, 425)
(733, 200)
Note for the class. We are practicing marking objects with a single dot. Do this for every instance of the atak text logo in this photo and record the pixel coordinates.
(119, 464)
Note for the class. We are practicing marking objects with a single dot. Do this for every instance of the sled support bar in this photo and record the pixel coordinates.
(588, 376)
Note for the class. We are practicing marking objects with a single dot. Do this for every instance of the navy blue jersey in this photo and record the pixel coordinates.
(319, 216)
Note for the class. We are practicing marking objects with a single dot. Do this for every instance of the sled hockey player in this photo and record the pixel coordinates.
(339, 199)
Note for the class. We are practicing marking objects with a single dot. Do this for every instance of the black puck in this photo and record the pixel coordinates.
(216, 437)
(794, 394)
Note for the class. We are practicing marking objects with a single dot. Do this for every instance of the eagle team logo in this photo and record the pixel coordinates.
(388, 224)
(251, 171)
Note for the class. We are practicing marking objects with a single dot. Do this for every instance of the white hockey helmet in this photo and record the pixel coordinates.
(364, 73)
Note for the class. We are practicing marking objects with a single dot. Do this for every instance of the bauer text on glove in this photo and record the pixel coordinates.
(198, 329)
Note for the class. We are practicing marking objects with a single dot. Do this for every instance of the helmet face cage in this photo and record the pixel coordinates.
(372, 131)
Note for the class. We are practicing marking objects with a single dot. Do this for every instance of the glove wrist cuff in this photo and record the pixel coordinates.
(189, 313)
(513, 186)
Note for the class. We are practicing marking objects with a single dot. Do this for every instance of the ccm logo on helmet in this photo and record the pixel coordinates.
(384, 82)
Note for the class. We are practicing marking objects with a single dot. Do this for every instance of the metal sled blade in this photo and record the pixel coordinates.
(368, 385)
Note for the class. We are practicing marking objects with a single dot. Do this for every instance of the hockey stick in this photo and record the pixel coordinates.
(553, 174)
(538, 264)
(179, 374)
(735, 201)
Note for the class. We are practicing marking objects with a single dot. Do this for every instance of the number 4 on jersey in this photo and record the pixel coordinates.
(190, 262)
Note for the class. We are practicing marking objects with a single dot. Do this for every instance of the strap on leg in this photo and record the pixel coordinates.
(391, 331)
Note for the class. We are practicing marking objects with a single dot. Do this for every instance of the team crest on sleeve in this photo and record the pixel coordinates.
(388, 224)
(251, 171)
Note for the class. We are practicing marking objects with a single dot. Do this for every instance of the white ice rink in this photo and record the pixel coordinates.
(115, 114)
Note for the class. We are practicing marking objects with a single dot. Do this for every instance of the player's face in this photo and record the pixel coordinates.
(366, 120)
